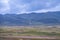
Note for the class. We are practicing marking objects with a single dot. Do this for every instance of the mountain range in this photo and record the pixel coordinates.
(47, 18)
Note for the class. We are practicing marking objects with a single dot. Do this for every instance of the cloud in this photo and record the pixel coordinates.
(28, 6)
(4, 1)
(56, 8)
(18, 7)
(23, 8)
(42, 6)
(4, 6)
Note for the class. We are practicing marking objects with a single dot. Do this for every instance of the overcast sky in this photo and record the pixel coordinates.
(26, 6)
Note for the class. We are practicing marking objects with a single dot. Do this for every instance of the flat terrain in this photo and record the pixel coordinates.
(29, 33)
(31, 37)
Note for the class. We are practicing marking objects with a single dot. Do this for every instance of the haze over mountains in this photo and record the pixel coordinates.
(48, 18)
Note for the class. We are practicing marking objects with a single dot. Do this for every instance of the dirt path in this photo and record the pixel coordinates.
(31, 37)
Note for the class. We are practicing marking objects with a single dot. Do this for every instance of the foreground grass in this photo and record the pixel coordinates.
(30, 31)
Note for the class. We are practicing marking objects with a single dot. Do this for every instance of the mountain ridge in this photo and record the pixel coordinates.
(48, 18)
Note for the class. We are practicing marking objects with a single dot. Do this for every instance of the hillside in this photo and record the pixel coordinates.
(49, 18)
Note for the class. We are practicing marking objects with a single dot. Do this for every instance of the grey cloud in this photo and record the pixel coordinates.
(22, 6)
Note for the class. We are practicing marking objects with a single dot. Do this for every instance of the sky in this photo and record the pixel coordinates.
(28, 6)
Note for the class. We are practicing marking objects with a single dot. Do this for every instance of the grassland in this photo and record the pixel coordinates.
(29, 31)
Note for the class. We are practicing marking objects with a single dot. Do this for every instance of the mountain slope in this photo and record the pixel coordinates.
(49, 18)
